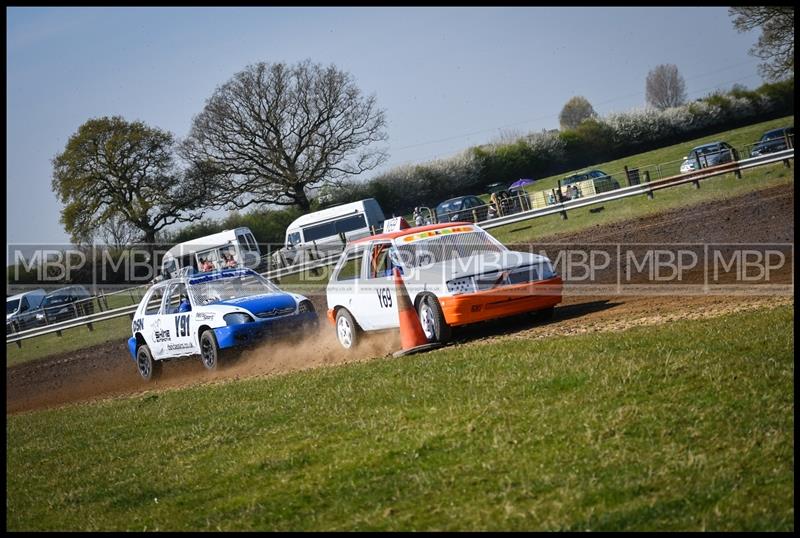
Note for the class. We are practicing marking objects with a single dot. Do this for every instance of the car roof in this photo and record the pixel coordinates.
(407, 231)
(24, 293)
(458, 198)
(219, 274)
(707, 145)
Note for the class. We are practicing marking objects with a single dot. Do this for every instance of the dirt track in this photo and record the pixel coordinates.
(765, 216)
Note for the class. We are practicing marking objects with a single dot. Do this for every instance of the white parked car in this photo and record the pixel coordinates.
(203, 313)
(455, 274)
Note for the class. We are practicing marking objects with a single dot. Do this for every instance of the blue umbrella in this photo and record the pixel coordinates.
(520, 183)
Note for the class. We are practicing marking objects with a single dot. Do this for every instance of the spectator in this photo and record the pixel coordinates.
(494, 206)
(419, 220)
(206, 265)
(230, 261)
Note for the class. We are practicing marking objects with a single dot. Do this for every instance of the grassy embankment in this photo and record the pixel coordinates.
(682, 426)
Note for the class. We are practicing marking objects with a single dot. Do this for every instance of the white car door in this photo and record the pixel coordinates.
(176, 328)
(151, 320)
(377, 297)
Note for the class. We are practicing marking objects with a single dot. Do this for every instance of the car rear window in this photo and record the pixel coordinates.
(445, 247)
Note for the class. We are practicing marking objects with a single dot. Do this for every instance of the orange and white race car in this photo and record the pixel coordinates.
(455, 274)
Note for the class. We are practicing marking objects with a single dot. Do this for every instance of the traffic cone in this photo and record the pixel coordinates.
(412, 337)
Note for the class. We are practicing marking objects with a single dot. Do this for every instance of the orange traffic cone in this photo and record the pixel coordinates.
(412, 337)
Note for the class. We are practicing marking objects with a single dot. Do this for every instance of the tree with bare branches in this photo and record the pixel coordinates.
(776, 43)
(274, 131)
(665, 87)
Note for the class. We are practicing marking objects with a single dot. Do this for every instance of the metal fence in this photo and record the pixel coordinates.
(651, 180)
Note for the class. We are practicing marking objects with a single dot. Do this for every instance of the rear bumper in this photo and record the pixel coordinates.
(501, 302)
(248, 333)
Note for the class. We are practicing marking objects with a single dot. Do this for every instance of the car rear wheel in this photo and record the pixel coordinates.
(432, 319)
(149, 368)
(347, 332)
(209, 350)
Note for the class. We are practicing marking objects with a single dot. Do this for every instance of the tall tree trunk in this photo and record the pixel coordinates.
(300, 197)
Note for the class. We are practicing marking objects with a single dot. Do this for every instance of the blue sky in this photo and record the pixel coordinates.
(448, 78)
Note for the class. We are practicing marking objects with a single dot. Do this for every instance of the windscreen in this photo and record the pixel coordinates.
(12, 306)
(213, 288)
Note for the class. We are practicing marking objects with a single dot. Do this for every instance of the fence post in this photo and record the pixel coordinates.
(735, 158)
(696, 182)
(560, 196)
(647, 179)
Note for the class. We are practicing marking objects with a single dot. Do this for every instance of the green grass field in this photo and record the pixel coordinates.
(684, 426)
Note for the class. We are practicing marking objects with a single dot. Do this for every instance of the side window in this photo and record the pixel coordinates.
(380, 263)
(23, 305)
(351, 269)
(293, 238)
(177, 294)
(252, 242)
(154, 301)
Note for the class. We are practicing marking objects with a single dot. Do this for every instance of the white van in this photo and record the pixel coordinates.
(326, 232)
(216, 249)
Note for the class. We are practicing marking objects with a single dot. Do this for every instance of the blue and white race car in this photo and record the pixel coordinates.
(203, 313)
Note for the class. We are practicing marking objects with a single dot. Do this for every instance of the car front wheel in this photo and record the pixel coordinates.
(432, 319)
(149, 368)
(209, 350)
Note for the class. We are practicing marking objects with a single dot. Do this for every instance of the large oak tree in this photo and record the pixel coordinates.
(274, 131)
(118, 173)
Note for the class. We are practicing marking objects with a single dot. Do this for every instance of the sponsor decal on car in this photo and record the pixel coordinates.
(162, 336)
(433, 233)
(204, 316)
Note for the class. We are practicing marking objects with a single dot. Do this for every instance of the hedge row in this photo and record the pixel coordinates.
(540, 155)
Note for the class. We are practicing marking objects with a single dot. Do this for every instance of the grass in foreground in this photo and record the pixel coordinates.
(682, 426)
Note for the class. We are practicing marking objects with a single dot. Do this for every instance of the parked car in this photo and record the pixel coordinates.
(461, 209)
(65, 303)
(21, 310)
(600, 182)
(455, 273)
(772, 141)
(203, 313)
(710, 155)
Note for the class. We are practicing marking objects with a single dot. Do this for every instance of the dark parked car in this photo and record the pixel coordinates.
(774, 140)
(710, 155)
(601, 181)
(66, 303)
(461, 209)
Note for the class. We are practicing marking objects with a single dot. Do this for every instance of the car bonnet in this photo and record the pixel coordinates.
(258, 304)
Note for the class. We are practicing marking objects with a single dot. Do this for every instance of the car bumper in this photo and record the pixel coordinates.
(501, 302)
(248, 333)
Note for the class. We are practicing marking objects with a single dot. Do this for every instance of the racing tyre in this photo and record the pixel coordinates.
(432, 319)
(209, 350)
(347, 332)
(149, 368)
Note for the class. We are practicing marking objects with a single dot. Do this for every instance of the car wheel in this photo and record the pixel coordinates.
(149, 368)
(209, 350)
(347, 332)
(432, 319)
